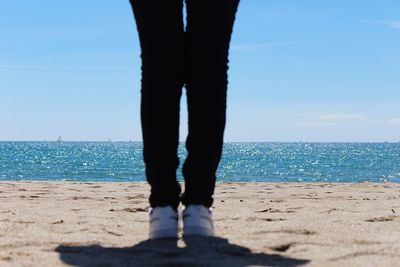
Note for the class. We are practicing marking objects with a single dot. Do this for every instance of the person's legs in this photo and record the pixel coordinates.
(161, 34)
(207, 38)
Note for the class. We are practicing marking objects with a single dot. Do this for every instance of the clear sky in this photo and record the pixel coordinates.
(307, 70)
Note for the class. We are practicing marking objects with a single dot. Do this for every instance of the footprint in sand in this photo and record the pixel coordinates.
(271, 210)
(277, 200)
(382, 219)
(76, 209)
(73, 189)
(252, 219)
(136, 196)
(5, 258)
(77, 198)
(132, 210)
(366, 242)
(288, 231)
(227, 219)
(42, 193)
(332, 210)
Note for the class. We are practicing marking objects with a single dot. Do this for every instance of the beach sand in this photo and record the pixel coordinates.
(258, 224)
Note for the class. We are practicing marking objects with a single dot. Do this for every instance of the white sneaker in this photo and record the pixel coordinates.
(163, 222)
(197, 220)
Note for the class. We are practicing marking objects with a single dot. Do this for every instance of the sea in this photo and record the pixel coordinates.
(241, 161)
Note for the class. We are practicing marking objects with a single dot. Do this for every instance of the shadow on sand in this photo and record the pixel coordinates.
(196, 251)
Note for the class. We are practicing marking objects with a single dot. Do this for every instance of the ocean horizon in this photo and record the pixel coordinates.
(241, 161)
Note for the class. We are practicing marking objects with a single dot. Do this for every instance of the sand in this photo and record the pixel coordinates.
(258, 224)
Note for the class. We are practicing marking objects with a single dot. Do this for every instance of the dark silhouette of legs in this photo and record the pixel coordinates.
(207, 37)
(161, 34)
(172, 57)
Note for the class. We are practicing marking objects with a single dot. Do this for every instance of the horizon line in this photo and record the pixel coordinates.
(140, 141)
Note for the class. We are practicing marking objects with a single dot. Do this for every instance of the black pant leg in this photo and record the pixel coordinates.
(161, 34)
(207, 38)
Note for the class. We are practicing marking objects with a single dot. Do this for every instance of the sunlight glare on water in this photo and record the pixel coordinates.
(282, 162)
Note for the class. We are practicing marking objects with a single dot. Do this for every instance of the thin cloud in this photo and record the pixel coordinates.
(22, 67)
(302, 114)
(395, 121)
(63, 68)
(127, 57)
(395, 24)
(78, 32)
(315, 120)
(98, 68)
(240, 47)
(340, 117)
(361, 90)
(309, 124)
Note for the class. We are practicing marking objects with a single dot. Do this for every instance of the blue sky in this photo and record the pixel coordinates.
(307, 70)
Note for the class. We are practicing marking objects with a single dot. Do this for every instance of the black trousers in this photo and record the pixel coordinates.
(173, 56)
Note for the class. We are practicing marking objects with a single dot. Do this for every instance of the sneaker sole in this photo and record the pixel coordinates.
(166, 233)
(199, 231)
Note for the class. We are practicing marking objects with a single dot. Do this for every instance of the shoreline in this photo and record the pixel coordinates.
(217, 182)
(73, 223)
